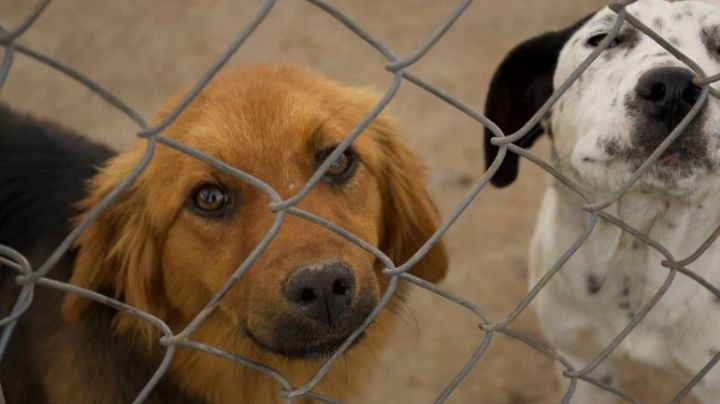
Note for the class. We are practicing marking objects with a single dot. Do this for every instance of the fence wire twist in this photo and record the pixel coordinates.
(29, 277)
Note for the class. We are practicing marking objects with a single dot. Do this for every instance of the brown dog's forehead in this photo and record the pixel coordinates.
(265, 118)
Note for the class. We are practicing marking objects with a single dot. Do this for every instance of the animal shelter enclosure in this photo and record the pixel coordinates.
(499, 356)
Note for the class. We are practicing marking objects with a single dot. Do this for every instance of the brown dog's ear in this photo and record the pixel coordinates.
(118, 253)
(410, 216)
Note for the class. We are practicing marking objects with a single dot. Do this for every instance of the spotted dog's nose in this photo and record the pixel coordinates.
(667, 94)
(322, 293)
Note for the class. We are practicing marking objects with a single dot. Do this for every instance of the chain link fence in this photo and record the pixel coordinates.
(29, 278)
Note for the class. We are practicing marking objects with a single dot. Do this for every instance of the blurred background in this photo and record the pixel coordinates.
(143, 51)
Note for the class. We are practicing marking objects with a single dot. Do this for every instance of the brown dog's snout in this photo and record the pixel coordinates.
(322, 293)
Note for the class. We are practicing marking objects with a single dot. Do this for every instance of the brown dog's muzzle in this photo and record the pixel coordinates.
(322, 292)
(322, 304)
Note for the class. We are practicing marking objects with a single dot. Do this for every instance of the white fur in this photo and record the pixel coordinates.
(683, 330)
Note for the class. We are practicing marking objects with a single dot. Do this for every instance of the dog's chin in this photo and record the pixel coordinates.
(684, 156)
(682, 165)
(675, 165)
(320, 348)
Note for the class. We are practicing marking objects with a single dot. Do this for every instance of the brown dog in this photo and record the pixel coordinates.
(170, 242)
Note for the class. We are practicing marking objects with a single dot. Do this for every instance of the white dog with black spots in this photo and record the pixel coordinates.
(603, 128)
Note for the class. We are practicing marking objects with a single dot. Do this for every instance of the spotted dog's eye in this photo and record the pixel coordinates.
(342, 169)
(209, 200)
(594, 41)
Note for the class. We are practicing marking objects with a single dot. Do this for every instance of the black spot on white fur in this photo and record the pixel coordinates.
(594, 284)
(658, 23)
(710, 37)
(611, 146)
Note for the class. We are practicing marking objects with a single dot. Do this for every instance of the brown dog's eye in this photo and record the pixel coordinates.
(341, 169)
(209, 200)
(339, 166)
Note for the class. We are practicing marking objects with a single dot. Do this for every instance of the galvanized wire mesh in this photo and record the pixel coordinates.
(30, 277)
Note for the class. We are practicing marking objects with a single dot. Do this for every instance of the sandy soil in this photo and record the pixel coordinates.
(143, 51)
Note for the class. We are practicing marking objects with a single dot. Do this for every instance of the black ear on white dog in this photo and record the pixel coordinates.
(520, 86)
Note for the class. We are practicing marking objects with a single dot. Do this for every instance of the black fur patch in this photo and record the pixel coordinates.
(611, 146)
(710, 37)
(594, 284)
(520, 85)
(658, 23)
(43, 171)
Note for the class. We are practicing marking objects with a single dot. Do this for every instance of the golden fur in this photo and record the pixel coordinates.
(148, 250)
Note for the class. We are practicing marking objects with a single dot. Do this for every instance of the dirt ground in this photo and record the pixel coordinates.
(142, 51)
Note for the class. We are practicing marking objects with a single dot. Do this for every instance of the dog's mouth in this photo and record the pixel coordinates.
(670, 158)
(676, 156)
(296, 337)
(683, 157)
(687, 159)
(676, 164)
(689, 150)
(317, 349)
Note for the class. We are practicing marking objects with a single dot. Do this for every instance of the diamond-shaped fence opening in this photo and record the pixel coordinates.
(29, 278)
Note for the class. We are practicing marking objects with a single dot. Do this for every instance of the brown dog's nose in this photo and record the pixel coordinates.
(667, 94)
(323, 293)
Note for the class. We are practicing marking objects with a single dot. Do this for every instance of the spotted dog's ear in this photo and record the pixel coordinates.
(520, 86)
